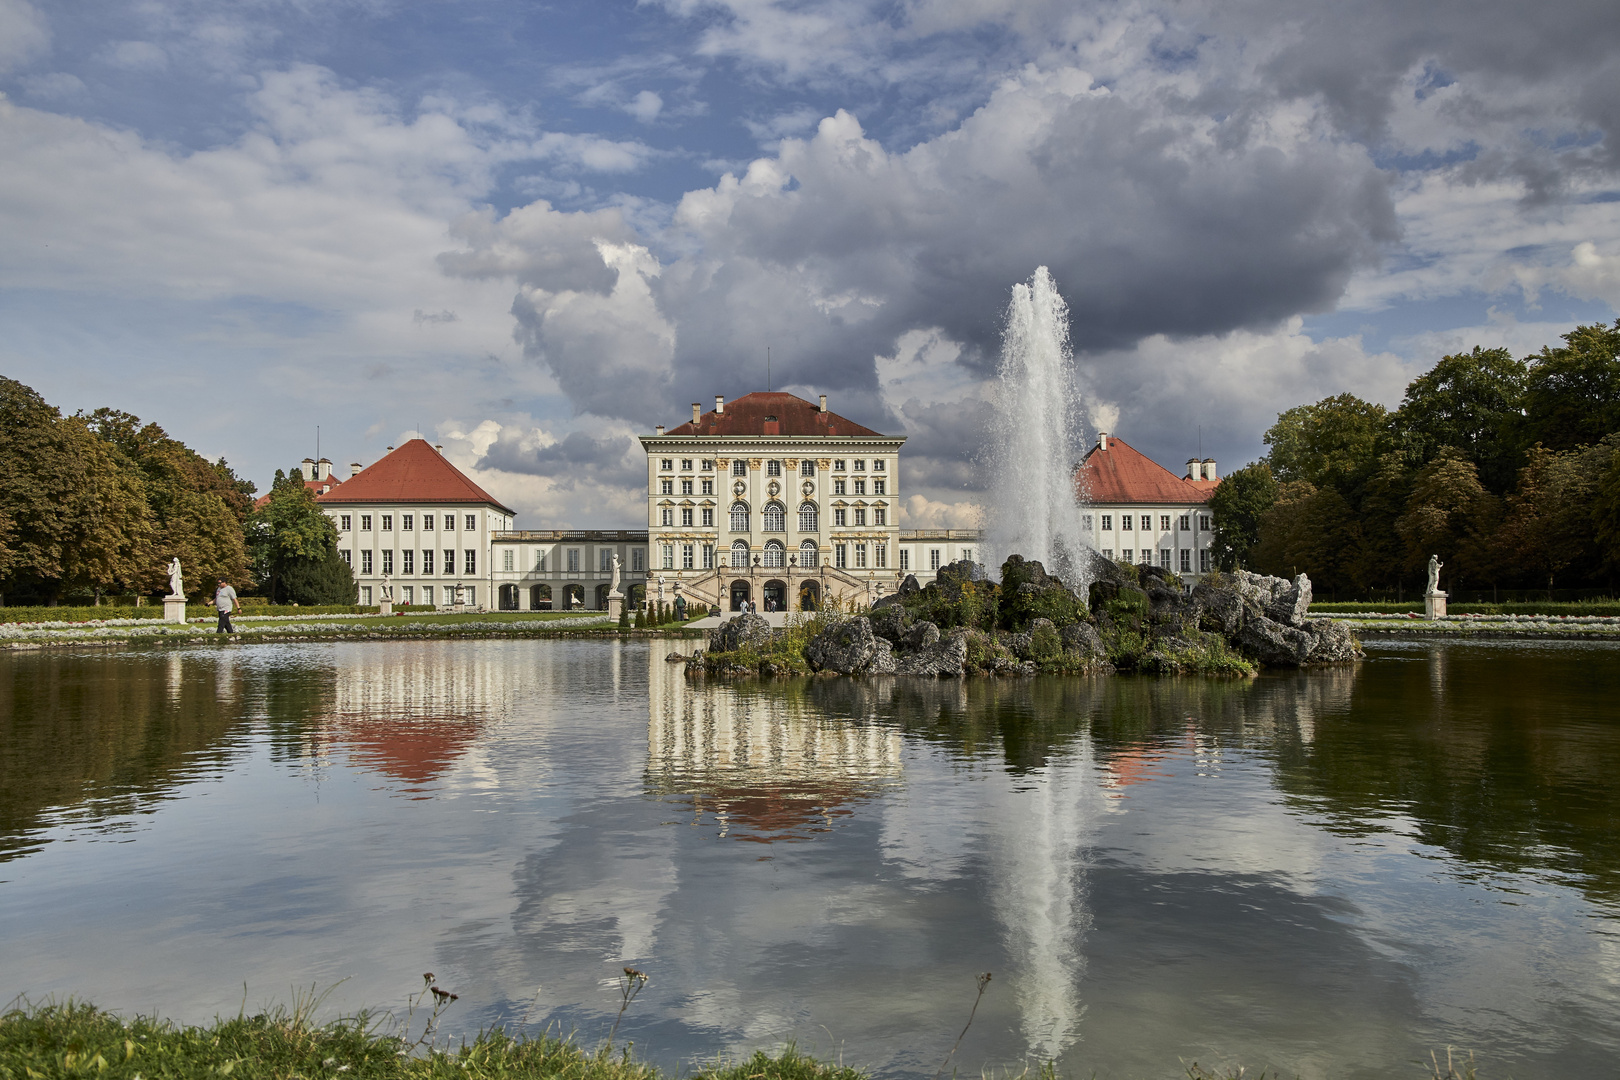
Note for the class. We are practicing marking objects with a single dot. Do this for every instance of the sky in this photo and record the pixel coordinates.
(530, 231)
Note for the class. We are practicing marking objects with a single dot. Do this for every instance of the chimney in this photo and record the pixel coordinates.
(390, 449)
(659, 430)
(697, 414)
(823, 402)
(440, 448)
(1102, 440)
(354, 469)
(323, 469)
(1209, 469)
(306, 469)
(719, 405)
(1194, 469)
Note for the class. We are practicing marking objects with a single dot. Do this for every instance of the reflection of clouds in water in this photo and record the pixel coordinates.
(767, 766)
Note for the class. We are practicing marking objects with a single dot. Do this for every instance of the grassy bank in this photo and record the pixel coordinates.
(1533, 607)
(194, 607)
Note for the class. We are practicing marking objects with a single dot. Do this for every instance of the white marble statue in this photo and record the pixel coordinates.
(660, 588)
(613, 582)
(177, 586)
(386, 590)
(1434, 574)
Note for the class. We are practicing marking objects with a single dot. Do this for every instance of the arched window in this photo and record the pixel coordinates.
(775, 517)
(739, 517)
(775, 553)
(739, 555)
(808, 555)
(807, 517)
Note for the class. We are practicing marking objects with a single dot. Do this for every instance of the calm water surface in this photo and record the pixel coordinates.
(1329, 873)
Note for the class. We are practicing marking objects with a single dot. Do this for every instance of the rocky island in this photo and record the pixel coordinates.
(1133, 618)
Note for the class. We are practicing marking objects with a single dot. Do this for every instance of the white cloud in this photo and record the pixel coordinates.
(1589, 274)
(645, 106)
(24, 34)
(54, 86)
(137, 56)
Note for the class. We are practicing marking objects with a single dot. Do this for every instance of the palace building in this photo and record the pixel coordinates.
(769, 499)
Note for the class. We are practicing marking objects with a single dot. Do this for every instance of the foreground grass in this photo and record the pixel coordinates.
(78, 1040)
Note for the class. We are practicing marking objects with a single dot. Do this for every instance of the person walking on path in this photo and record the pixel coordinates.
(225, 602)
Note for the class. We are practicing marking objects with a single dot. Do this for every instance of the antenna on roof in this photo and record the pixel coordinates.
(767, 368)
(317, 442)
(1200, 440)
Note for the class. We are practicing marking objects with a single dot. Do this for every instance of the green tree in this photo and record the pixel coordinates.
(1237, 505)
(1334, 443)
(326, 580)
(290, 528)
(1572, 393)
(1450, 514)
(1378, 559)
(1548, 526)
(1309, 530)
(1473, 402)
(1606, 507)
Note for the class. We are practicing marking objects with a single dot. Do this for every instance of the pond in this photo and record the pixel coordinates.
(1328, 873)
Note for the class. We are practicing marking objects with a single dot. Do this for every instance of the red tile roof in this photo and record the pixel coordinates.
(1123, 474)
(793, 417)
(316, 488)
(415, 473)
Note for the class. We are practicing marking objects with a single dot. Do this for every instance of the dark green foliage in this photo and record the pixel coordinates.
(624, 618)
(641, 618)
(1472, 403)
(1572, 393)
(325, 580)
(954, 599)
(290, 534)
(1237, 506)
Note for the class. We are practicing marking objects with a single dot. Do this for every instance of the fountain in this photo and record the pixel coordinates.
(1035, 438)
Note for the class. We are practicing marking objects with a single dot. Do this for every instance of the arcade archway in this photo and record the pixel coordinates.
(741, 593)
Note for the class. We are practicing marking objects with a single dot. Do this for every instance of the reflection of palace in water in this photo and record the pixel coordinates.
(766, 766)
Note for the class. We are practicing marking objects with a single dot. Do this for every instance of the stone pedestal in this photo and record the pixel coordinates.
(615, 606)
(1434, 605)
(385, 608)
(174, 609)
(459, 609)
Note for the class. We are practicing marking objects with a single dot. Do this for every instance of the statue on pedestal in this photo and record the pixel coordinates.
(177, 586)
(1434, 575)
(613, 582)
(386, 590)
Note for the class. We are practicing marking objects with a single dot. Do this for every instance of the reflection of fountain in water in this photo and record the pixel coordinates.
(1035, 436)
(1039, 895)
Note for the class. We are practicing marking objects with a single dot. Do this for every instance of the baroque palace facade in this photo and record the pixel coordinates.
(768, 499)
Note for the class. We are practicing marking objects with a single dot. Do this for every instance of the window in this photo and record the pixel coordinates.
(472, 596)
(860, 556)
(840, 556)
(365, 595)
(668, 551)
(739, 517)
(469, 565)
(638, 560)
(880, 486)
(388, 523)
(666, 487)
(1147, 522)
(686, 517)
(1147, 557)
(807, 517)
(860, 487)
(347, 523)
(860, 464)
(407, 561)
(1203, 561)
(708, 517)
(708, 465)
(1108, 522)
(448, 566)
(1124, 554)
(388, 561)
(1186, 524)
(427, 561)
(667, 464)
(365, 562)
(427, 522)
(348, 556)
(739, 555)
(708, 487)
(686, 464)
(775, 554)
(449, 523)
(687, 556)
(905, 558)
(666, 517)
(686, 487)
(773, 468)
(1164, 522)
(1186, 561)
(739, 467)
(933, 558)
(839, 518)
(807, 467)
(427, 595)
(471, 522)
(880, 516)
(365, 522)
(838, 487)
(860, 516)
(407, 522)
(1086, 522)
(1108, 553)
(838, 464)
(775, 518)
(573, 560)
(877, 465)
(1164, 558)
(409, 595)
(880, 556)
(708, 556)
(540, 560)
(808, 555)
(604, 560)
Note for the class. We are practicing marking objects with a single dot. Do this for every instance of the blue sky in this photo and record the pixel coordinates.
(529, 231)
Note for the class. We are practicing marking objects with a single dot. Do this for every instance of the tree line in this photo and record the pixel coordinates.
(1506, 468)
(97, 503)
